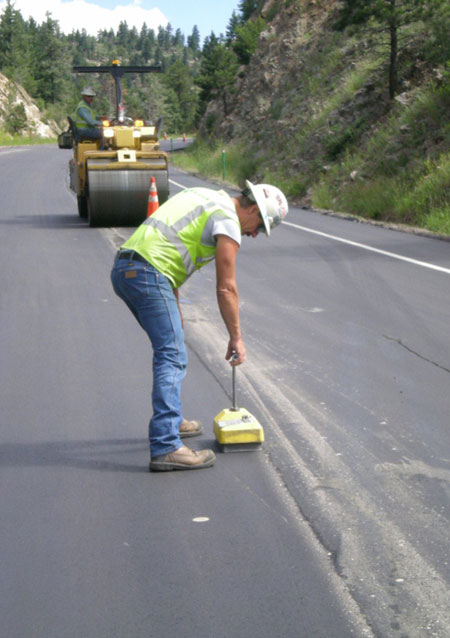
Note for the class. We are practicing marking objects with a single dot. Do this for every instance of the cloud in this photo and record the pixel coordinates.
(78, 14)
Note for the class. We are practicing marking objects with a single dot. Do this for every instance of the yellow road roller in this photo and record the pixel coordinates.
(111, 176)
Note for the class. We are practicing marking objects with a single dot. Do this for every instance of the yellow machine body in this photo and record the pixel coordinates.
(238, 430)
(111, 178)
(112, 185)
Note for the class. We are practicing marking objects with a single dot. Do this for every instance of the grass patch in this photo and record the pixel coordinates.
(322, 196)
(398, 173)
(23, 140)
(372, 199)
(375, 199)
(233, 167)
(428, 197)
(438, 220)
(387, 161)
(241, 163)
(292, 187)
(420, 200)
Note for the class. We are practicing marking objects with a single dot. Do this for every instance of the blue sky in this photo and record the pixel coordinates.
(97, 14)
(208, 15)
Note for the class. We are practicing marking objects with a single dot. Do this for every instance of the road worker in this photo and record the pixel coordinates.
(192, 228)
(88, 127)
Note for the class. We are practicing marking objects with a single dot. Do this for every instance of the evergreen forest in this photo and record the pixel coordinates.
(342, 103)
(40, 58)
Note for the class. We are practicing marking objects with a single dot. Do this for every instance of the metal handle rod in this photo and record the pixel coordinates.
(233, 382)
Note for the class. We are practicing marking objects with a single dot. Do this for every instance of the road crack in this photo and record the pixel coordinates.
(417, 354)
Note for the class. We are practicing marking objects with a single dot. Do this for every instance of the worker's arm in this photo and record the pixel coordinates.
(227, 295)
(175, 292)
(87, 117)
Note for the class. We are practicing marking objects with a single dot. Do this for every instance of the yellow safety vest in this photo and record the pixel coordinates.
(79, 122)
(176, 238)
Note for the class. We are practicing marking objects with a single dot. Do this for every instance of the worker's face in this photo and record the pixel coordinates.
(253, 223)
(89, 98)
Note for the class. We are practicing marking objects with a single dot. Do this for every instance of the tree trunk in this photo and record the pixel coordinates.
(225, 103)
(393, 82)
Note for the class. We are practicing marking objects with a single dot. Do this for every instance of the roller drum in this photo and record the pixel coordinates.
(119, 197)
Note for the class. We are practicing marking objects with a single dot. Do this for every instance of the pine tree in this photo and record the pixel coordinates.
(13, 41)
(246, 40)
(147, 44)
(178, 38)
(193, 40)
(51, 62)
(123, 34)
(181, 82)
(231, 28)
(248, 8)
(217, 73)
(390, 16)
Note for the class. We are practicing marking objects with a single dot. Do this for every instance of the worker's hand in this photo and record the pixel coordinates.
(235, 347)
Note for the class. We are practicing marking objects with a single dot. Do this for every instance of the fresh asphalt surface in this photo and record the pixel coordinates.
(338, 528)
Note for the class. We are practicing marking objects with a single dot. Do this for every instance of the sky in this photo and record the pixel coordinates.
(93, 15)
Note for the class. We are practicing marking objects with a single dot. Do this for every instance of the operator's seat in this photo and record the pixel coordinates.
(73, 129)
(77, 137)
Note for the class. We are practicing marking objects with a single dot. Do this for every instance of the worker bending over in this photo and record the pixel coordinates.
(192, 228)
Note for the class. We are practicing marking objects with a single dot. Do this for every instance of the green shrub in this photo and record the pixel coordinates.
(207, 159)
(438, 220)
(374, 199)
(247, 36)
(322, 196)
(16, 119)
(429, 195)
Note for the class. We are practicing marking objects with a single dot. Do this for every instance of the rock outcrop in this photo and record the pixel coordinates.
(12, 94)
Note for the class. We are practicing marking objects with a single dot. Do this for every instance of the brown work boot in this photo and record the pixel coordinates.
(182, 459)
(190, 428)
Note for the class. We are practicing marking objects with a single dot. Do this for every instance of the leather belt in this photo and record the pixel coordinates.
(131, 255)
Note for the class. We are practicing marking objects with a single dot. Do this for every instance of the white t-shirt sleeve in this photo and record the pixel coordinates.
(227, 227)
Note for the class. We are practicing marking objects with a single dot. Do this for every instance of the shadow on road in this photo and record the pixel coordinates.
(107, 455)
(46, 221)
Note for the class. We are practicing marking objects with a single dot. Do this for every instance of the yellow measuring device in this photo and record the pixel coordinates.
(235, 429)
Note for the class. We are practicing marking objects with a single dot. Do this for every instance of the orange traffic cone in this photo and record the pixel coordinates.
(165, 136)
(184, 137)
(153, 202)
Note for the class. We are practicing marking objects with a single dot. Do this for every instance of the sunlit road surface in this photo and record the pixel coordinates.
(339, 527)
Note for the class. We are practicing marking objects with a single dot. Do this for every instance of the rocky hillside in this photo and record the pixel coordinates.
(268, 90)
(314, 110)
(16, 103)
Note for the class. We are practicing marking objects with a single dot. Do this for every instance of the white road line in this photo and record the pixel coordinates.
(424, 264)
(5, 150)
(177, 184)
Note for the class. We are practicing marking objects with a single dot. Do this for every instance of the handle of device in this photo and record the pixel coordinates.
(234, 356)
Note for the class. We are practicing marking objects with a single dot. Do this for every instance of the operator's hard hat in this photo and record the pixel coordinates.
(271, 202)
(88, 91)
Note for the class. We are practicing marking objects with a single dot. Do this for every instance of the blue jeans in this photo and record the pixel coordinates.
(150, 297)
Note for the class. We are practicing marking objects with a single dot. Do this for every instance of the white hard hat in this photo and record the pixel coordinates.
(88, 91)
(271, 202)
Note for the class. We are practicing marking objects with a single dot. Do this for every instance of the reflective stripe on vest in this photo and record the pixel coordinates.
(177, 239)
(171, 233)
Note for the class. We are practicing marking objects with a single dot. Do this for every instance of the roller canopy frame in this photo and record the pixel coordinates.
(117, 73)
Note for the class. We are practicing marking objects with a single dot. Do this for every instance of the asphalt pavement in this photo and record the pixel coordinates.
(338, 528)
